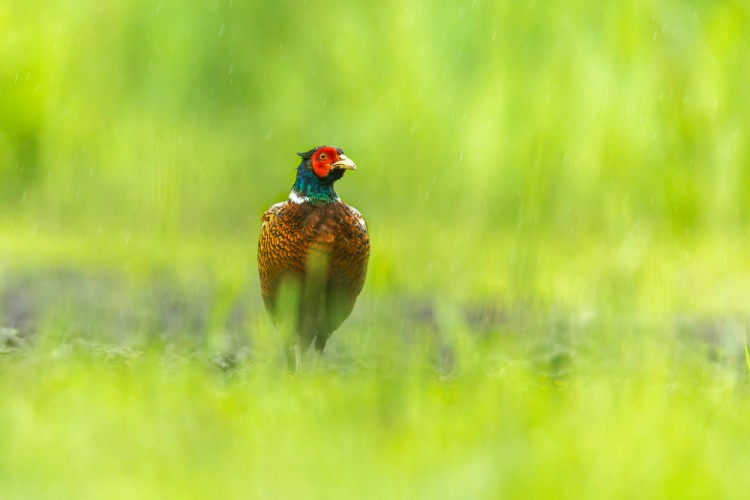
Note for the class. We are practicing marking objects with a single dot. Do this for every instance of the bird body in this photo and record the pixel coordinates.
(317, 246)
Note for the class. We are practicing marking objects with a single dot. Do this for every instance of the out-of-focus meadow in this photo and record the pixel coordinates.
(557, 195)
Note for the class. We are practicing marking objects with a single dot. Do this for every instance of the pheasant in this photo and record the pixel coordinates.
(317, 247)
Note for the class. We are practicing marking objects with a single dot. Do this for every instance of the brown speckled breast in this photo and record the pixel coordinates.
(292, 236)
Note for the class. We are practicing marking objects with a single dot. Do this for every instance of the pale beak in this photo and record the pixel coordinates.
(345, 163)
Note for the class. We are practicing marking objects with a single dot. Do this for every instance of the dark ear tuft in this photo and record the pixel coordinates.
(307, 154)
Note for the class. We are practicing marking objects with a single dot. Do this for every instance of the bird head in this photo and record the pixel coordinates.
(328, 163)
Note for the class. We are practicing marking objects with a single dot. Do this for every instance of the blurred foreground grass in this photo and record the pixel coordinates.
(641, 418)
(557, 298)
(168, 382)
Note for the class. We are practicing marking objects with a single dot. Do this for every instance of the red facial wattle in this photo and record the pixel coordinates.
(322, 161)
(321, 168)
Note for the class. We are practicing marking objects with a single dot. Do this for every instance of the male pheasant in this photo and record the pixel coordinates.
(312, 254)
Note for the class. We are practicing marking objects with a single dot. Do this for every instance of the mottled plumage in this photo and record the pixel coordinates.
(319, 246)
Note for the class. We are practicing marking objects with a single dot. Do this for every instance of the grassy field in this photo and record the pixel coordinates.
(557, 299)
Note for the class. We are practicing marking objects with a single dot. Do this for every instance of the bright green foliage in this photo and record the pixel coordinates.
(557, 195)
(566, 115)
(637, 423)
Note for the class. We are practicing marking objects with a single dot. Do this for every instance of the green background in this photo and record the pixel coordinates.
(557, 196)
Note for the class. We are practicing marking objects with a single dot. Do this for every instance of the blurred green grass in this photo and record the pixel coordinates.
(635, 423)
(557, 298)
(565, 116)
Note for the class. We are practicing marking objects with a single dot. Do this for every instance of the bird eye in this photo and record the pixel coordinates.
(323, 156)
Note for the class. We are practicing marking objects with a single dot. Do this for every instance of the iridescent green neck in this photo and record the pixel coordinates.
(310, 187)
